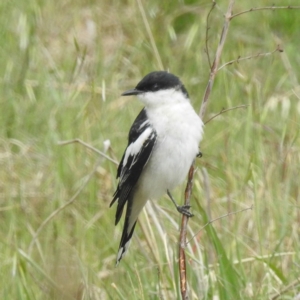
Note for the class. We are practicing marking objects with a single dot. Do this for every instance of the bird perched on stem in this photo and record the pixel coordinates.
(162, 144)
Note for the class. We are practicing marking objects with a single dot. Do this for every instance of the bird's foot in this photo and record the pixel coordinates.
(185, 210)
(199, 154)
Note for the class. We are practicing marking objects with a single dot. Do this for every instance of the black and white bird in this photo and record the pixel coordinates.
(163, 142)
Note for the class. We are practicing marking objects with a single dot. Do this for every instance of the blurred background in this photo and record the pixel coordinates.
(63, 67)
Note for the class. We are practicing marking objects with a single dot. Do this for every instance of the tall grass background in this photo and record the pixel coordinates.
(63, 67)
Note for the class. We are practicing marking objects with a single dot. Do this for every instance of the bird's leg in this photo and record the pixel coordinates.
(184, 209)
(199, 154)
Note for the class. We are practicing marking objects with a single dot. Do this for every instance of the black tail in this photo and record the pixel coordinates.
(125, 240)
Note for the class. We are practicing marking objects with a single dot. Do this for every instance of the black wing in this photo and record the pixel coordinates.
(141, 141)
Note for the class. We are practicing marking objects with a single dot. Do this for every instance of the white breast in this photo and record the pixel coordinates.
(179, 131)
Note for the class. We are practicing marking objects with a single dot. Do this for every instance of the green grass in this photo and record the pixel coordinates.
(63, 67)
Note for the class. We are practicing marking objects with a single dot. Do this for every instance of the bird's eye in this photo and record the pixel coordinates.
(155, 86)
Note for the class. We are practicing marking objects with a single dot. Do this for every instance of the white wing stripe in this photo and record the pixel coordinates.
(144, 124)
(135, 147)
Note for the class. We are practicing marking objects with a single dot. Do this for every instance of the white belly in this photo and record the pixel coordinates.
(179, 131)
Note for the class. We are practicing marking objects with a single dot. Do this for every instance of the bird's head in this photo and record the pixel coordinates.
(159, 87)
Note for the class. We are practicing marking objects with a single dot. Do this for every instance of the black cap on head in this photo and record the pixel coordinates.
(155, 81)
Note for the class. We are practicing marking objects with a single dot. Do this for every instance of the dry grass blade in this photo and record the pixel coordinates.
(63, 143)
(292, 285)
(57, 211)
(152, 41)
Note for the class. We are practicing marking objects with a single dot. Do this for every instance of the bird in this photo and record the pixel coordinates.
(163, 142)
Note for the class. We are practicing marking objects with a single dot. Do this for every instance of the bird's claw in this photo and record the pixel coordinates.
(184, 209)
(199, 154)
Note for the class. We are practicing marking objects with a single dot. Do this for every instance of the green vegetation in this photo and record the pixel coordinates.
(63, 67)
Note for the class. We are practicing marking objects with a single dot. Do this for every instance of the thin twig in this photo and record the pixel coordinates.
(57, 211)
(63, 143)
(206, 32)
(226, 110)
(219, 218)
(184, 220)
(263, 8)
(152, 41)
(214, 68)
(287, 64)
(278, 49)
(182, 239)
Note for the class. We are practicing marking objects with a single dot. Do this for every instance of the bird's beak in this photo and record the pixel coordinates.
(132, 92)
